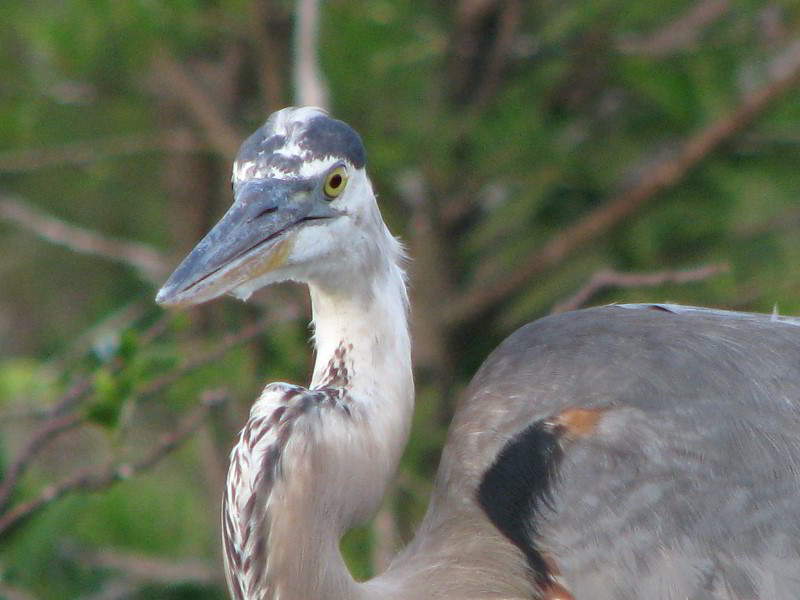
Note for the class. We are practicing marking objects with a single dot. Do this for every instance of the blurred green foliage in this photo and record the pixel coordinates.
(513, 141)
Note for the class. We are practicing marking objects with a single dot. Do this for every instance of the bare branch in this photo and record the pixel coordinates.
(90, 151)
(113, 324)
(148, 262)
(16, 414)
(784, 221)
(51, 430)
(509, 21)
(470, 11)
(93, 479)
(141, 568)
(680, 34)
(60, 420)
(607, 278)
(114, 590)
(242, 336)
(84, 386)
(77, 392)
(9, 592)
(311, 89)
(174, 78)
(485, 294)
(271, 25)
(469, 45)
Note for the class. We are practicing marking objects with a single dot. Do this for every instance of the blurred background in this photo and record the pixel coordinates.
(534, 157)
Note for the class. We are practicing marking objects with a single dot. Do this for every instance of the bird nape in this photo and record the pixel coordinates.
(624, 452)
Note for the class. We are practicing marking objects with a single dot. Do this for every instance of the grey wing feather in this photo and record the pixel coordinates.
(689, 486)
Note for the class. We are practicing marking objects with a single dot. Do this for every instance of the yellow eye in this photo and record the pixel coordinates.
(335, 182)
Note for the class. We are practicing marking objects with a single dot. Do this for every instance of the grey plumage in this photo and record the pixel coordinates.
(689, 484)
(632, 452)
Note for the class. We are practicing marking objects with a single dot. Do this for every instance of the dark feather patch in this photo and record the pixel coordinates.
(660, 308)
(328, 137)
(516, 486)
(260, 143)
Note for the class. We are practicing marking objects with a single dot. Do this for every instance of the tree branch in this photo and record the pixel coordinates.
(509, 21)
(141, 568)
(174, 78)
(310, 86)
(58, 422)
(51, 430)
(242, 336)
(270, 25)
(112, 325)
(84, 386)
(608, 278)
(148, 262)
(83, 152)
(484, 295)
(680, 34)
(59, 419)
(93, 479)
(9, 592)
(114, 590)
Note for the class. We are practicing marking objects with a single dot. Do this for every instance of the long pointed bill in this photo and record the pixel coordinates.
(251, 239)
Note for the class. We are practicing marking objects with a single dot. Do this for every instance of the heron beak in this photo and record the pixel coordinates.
(253, 238)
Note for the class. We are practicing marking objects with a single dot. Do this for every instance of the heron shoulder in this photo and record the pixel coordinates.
(616, 409)
(637, 355)
(695, 365)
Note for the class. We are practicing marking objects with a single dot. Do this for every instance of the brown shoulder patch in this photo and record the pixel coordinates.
(556, 591)
(579, 422)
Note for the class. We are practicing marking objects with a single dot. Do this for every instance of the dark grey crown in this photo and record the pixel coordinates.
(294, 136)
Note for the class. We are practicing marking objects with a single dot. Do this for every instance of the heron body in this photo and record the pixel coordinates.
(625, 452)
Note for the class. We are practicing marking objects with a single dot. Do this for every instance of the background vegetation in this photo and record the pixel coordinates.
(534, 156)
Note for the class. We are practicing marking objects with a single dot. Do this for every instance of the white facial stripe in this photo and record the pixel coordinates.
(319, 166)
(289, 123)
(244, 170)
(251, 169)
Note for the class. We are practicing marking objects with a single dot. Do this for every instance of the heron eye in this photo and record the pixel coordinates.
(335, 182)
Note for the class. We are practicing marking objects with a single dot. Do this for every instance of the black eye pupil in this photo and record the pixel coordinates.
(335, 181)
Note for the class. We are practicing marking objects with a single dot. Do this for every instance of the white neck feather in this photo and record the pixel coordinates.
(369, 328)
(372, 324)
(361, 329)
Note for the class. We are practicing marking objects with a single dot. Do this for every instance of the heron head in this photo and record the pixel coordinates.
(303, 210)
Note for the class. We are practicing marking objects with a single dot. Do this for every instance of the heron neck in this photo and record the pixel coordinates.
(362, 342)
(366, 323)
(362, 345)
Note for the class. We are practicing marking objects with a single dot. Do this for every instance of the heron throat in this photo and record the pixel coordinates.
(312, 462)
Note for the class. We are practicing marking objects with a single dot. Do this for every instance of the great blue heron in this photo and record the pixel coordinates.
(624, 452)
